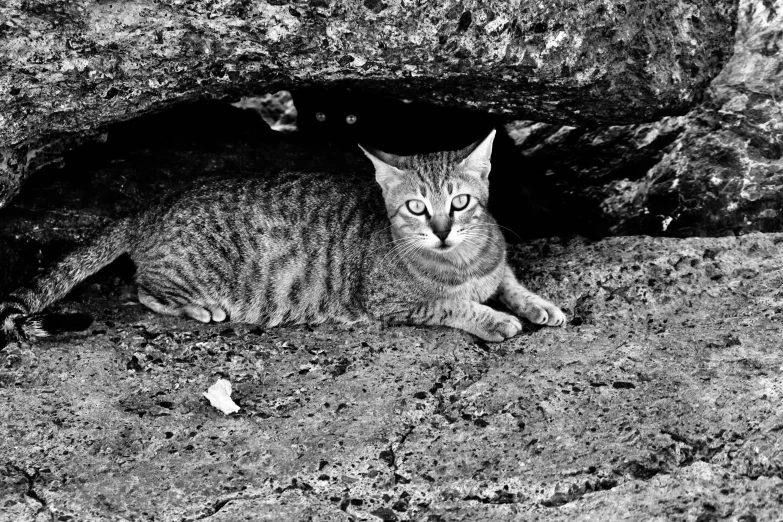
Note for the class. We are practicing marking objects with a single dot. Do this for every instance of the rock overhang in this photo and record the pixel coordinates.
(71, 68)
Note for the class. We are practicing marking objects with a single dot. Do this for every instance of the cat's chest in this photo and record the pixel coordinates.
(470, 289)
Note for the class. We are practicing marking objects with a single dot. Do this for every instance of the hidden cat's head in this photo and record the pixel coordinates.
(343, 117)
(437, 202)
(335, 117)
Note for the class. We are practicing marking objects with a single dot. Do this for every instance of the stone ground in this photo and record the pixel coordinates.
(661, 400)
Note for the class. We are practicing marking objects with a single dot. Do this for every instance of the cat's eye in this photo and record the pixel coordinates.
(460, 202)
(350, 119)
(416, 207)
(320, 116)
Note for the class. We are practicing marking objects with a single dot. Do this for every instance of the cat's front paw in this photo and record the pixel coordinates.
(541, 311)
(499, 326)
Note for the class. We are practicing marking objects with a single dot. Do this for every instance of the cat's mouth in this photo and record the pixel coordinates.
(445, 247)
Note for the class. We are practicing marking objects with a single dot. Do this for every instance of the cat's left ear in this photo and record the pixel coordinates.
(386, 174)
(478, 161)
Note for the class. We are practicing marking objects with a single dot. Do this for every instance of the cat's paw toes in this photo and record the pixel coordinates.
(198, 313)
(545, 313)
(556, 317)
(218, 314)
(500, 327)
(205, 315)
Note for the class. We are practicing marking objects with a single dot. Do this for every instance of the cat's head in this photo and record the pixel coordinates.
(437, 202)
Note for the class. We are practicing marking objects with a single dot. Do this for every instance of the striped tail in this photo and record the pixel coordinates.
(21, 314)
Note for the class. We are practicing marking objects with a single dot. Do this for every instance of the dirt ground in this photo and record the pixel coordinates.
(660, 400)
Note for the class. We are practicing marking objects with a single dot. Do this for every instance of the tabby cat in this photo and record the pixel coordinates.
(423, 250)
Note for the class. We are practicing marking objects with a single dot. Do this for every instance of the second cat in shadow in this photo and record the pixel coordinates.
(343, 118)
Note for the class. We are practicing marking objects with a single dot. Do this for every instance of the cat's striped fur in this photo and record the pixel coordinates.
(314, 248)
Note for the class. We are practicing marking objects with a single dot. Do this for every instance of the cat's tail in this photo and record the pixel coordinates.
(20, 312)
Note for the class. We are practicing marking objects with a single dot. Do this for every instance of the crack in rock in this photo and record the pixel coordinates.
(31, 479)
(390, 457)
(575, 492)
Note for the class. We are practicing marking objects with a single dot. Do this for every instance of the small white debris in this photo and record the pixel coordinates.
(219, 395)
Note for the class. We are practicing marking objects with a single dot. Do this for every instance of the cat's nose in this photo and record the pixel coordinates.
(441, 226)
(442, 234)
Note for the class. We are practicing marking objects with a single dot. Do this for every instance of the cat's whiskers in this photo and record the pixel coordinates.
(419, 246)
(482, 241)
(400, 249)
(484, 237)
(492, 226)
(395, 240)
(483, 231)
(412, 250)
(476, 243)
(402, 253)
(462, 258)
(399, 245)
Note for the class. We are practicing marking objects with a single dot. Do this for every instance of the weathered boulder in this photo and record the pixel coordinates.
(69, 68)
(716, 170)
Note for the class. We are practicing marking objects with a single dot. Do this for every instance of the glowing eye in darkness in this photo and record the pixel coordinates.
(416, 207)
(460, 202)
(350, 119)
(320, 116)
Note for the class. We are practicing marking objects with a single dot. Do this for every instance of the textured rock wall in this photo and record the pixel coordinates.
(68, 68)
(717, 170)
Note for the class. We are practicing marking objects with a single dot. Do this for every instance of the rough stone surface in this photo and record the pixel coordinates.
(68, 68)
(663, 402)
(659, 401)
(717, 170)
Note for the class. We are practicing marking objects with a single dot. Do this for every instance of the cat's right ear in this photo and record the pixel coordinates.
(386, 174)
(478, 161)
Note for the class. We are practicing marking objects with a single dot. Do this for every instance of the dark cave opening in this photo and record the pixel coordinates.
(134, 161)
